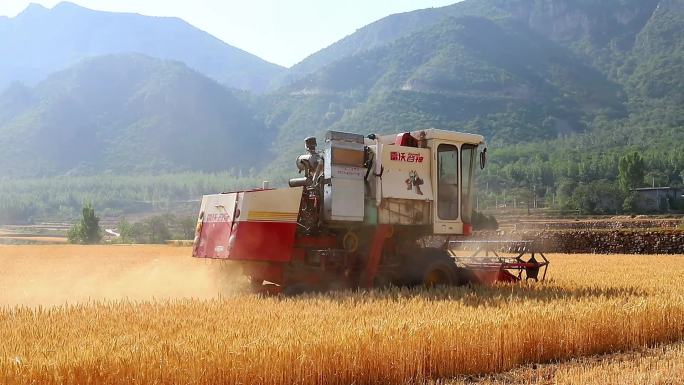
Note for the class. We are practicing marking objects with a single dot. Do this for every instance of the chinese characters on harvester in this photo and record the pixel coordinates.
(406, 157)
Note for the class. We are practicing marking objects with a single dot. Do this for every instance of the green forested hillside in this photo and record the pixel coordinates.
(125, 114)
(561, 89)
(383, 32)
(601, 30)
(581, 172)
(500, 80)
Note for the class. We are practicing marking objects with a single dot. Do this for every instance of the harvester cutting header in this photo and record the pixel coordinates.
(358, 216)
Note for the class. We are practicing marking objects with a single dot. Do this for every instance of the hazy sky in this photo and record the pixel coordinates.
(280, 31)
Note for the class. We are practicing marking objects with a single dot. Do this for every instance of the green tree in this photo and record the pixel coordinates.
(87, 231)
(140, 232)
(158, 229)
(630, 203)
(630, 176)
(187, 225)
(598, 197)
(585, 198)
(631, 171)
(125, 230)
(524, 194)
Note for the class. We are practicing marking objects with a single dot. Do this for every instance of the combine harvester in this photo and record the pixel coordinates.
(361, 215)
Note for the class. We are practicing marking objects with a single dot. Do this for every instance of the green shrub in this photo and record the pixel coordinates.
(87, 231)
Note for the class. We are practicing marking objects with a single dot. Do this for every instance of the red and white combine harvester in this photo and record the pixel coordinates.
(361, 215)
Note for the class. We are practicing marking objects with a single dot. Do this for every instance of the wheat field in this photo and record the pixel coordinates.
(152, 315)
(663, 365)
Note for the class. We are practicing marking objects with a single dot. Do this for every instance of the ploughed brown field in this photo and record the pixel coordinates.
(152, 314)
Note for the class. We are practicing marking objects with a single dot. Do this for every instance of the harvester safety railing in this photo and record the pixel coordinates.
(493, 259)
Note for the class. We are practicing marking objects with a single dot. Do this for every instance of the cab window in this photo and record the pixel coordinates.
(468, 152)
(447, 182)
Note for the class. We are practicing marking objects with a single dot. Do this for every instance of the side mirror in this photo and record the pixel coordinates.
(483, 158)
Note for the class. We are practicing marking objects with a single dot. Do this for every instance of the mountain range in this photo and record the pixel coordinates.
(126, 113)
(93, 92)
(588, 26)
(40, 41)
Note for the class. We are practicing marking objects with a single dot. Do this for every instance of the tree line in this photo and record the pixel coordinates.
(25, 201)
(601, 183)
(592, 173)
(155, 229)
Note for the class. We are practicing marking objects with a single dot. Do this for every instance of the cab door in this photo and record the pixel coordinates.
(446, 176)
(468, 159)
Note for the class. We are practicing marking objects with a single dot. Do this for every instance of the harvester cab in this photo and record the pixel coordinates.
(362, 213)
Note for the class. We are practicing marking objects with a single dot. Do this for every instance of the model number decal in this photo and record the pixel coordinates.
(406, 157)
(218, 218)
(347, 171)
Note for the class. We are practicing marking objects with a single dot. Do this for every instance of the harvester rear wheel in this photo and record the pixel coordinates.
(301, 288)
(297, 289)
(430, 267)
(256, 284)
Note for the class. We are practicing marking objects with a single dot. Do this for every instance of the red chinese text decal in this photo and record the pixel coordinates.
(406, 157)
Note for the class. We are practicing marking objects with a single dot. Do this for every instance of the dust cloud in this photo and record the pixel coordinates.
(58, 275)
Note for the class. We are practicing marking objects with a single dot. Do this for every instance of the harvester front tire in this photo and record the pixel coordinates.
(430, 267)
